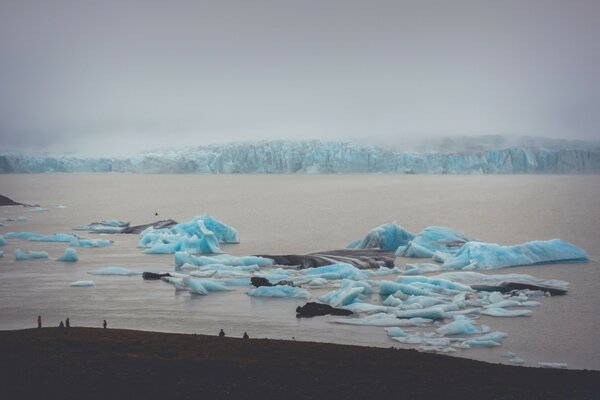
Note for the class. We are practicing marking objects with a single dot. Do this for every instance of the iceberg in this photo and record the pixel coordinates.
(492, 256)
(387, 237)
(195, 285)
(21, 218)
(279, 291)
(1, 253)
(462, 326)
(21, 255)
(346, 295)
(82, 284)
(199, 235)
(492, 339)
(114, 271)
(431, 240)
(2, 241)
(69, 256)
(501, 312)
(90, 243)
(505, 282)
(420, 268)
(183, 257)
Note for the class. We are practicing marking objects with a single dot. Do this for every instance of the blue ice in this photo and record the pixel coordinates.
(69, 256)
(420, 268)
(21, 255)
(492, 339)
(436, 312)
(395, 332)
(336, 271)
(2, 240)
(279, 291)
(443, 283)
(38, 209)
(91, 243)
(342, 297)
(21, 218)
(195, 285)
(1, 253)
(501, 312)
(462, 326)
(36, 237)
(183, 257)
(388, 287)
(433, 239)
(202, 235)
(491, 256)
(386, 237)
(82, 284)
(114, 271)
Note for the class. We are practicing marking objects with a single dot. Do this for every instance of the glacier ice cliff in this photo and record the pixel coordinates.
(314, 156)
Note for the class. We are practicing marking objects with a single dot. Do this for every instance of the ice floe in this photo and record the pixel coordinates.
(114, 271)
(69, 256)
(279, 291)
(21, 255)
(82, 284)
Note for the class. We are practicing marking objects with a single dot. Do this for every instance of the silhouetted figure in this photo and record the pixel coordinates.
(61, 325)
(67, 323)
(156, 214)
(221, 333)
(104, 324)
(39, 321)
(245, 336)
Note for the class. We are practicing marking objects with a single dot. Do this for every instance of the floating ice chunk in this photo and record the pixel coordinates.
(366, 308)
(1, 253)
(342, 297)
(21, 218)
(380, 319)
(388, 287)
(420, 268)
(336, 271)
(425, 301)
(384, 271)
(495, 297)
(501, 312)
(492, 256)
(396, 332)
(90, 243)
(516, 361)
(36, 237)
(386, 237)
(433, 239)
(506, 281)
(235, 281)
(2, 241)
(114, 271)
(21, 255)
(82, 284)
(279, 291)
(60, 206)
(553, 365)
(37, 209)
(213, 286)
(177, 282)
(318, 282)
(443, 283)
(461, 326)
(183, 257)
(418, 339)
(195, 285)
(69, 256)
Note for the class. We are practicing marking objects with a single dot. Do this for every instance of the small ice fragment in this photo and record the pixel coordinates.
(501, 312)
(114, 271)
(279, 291)
(553, 365)
(21, 255)
(22, 218)
(69, 256)
(2, 240)
(82, 284)
(38, 209)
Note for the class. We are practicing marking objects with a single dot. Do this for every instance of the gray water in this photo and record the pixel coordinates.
(296, 214)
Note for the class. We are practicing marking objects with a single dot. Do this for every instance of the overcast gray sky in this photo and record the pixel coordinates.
(116, 76)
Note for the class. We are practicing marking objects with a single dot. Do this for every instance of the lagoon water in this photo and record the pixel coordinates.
(296, 214)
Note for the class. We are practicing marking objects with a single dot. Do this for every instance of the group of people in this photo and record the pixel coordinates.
(66, 324)
(222, 334)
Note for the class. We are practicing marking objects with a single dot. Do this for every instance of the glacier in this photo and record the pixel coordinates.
(314, 156)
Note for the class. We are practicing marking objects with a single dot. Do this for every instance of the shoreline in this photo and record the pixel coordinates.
(115, 363)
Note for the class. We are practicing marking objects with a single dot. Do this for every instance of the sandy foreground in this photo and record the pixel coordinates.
(89, 363)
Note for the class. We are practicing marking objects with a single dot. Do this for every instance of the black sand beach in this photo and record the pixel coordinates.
(88, 363)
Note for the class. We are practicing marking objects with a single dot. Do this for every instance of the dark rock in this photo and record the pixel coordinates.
(312, 309)
(153, 275)
(257, 281)
(360, 258)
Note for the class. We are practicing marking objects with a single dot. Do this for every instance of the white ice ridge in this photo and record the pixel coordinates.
(82, 284)
(114, 271)
(279, 156)
(201, 235)
(21, 255)
(456, 251)
(72, 239)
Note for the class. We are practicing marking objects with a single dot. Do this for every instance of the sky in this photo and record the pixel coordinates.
(111, 77)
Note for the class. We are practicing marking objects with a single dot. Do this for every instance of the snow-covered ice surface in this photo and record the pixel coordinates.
(301, 214)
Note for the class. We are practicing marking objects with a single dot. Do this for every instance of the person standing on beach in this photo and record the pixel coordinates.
(245, 336)
(67, 323)
(61, 325)
(39, 321)
(222, 333)
(104, 324)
